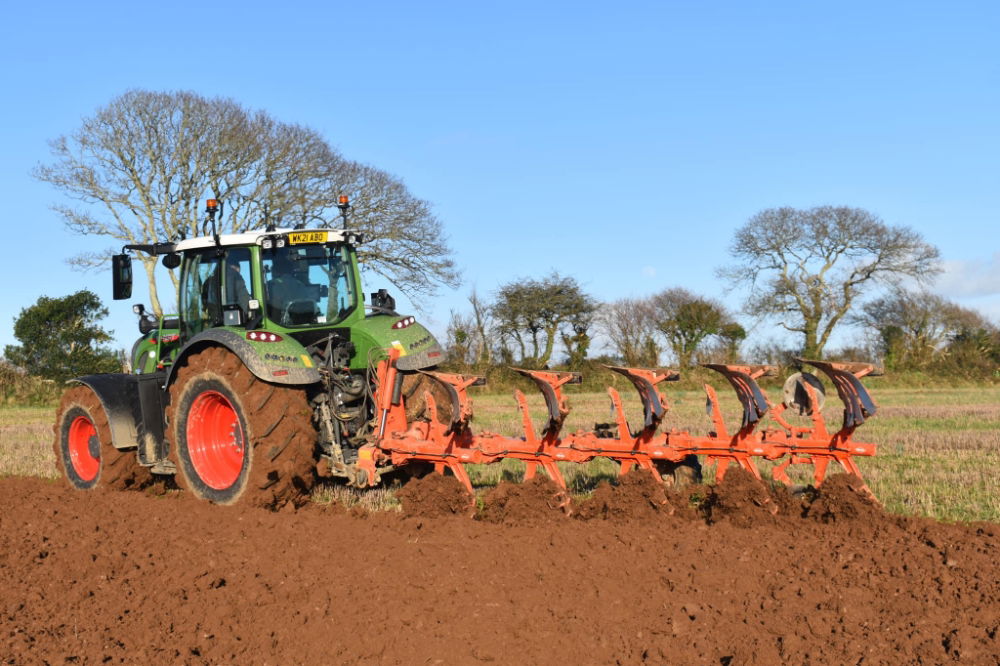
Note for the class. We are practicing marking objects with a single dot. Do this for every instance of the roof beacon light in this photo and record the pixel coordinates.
(344, 204)
(213, 208)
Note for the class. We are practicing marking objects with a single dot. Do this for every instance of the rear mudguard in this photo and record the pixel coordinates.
(284, 362)
(134, 405)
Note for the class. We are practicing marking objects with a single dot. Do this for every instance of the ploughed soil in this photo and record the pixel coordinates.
(734, 575)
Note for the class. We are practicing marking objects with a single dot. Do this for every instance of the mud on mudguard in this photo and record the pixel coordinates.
(278, 363)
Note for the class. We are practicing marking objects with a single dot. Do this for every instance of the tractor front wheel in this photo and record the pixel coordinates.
(83, 447)
(235, 438)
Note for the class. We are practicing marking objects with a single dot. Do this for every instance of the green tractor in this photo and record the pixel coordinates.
(263, 380)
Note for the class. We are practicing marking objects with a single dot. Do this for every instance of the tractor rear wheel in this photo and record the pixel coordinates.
(83, 447)
(235, 438)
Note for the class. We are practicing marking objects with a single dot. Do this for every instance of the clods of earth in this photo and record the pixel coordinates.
(735, 574)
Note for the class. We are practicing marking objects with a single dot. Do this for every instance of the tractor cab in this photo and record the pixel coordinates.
(278, 280)
(287, 301)
(289, 282)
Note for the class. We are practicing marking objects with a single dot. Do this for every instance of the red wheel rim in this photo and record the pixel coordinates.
(215, 440)
(85, 464)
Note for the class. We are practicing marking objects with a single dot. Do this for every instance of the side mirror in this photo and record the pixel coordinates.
(121, 269)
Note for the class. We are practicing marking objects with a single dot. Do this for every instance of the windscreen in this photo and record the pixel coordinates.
(307, 285)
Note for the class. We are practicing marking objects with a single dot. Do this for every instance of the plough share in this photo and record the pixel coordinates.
(451, 444)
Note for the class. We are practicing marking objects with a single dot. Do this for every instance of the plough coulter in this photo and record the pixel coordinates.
(451, 444)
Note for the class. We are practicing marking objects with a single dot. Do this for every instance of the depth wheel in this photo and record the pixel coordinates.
(679, 474)
(83, 448)
(235, 438)
(414, 387)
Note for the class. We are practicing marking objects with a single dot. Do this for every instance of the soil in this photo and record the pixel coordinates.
(108, 576)
(435, 496)
(635, 497)
(532, 502)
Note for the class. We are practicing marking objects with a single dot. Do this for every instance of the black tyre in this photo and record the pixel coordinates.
(235, 438)
(83, 448)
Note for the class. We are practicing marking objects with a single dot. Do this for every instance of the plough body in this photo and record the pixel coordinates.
(451, 445)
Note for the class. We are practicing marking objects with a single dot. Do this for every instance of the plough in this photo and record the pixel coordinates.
(450, 444)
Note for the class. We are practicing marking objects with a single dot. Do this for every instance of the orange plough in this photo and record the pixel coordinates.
(451, 445)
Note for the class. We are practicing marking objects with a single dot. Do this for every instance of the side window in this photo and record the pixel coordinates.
(210, 283)
(237, 281)
(199, 293)
(335, 273)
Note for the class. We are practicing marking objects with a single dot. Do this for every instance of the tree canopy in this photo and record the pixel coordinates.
(916, 329)
(141, 167)
(60, 338)
(807, 268)
(531, 313)
(686, 320)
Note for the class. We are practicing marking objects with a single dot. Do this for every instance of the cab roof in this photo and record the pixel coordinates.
(255, 237)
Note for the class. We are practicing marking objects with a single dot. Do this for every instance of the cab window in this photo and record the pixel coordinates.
(212, 283)
(307, 285)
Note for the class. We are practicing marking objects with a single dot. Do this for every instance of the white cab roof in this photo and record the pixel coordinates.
(254, 238)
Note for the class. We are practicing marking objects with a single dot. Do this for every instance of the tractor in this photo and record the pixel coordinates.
(261, 380)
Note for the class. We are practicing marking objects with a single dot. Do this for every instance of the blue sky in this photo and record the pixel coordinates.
(620, 143)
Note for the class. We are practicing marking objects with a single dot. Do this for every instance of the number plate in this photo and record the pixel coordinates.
(300, 237)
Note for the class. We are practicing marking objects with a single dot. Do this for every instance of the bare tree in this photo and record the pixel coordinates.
(807, 268)
(140, 168)
(630, 326)
(483, 320)
(404, 241)
(460, 338)
(914, 328)
(469, 334)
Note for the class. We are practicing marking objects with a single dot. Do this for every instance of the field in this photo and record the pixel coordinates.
(939, 449)
(731, 574)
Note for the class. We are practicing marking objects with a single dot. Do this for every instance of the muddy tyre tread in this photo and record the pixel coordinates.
(120, 470)
(279, 430)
